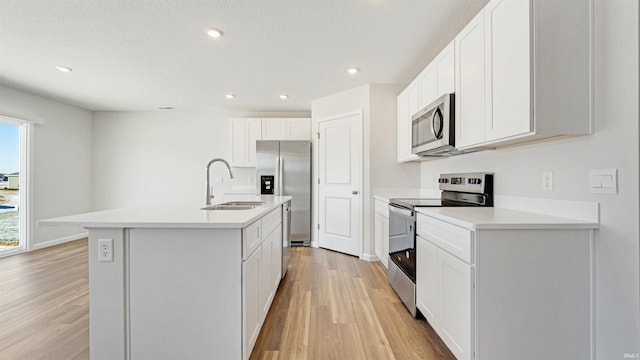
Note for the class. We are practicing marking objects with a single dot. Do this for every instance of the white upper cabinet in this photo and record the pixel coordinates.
(299, 129)
(533, 60)
(435, 80)
(244, 133)
(407, 100)
(274, 129)
(508, 69)
(286, 129)
(470, 83)
(428, 86)
(445, 64)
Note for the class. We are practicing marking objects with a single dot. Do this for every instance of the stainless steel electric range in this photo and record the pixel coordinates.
(463, 189)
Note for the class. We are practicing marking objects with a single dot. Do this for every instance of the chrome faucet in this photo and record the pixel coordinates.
(208, 195)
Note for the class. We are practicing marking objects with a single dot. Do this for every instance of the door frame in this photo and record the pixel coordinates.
(26, 183)
(315, 241)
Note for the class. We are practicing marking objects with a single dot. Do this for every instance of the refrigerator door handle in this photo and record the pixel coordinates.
(280, 175)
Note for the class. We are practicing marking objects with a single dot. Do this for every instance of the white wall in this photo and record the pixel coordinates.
(61, 160)
(378, 106)
(143, 158)
(614, 145)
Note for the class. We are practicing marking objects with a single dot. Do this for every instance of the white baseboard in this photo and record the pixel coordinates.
(60, 240)
(368, 257)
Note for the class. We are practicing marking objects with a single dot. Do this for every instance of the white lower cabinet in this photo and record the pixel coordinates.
(443, 296)
(455, 324)
(261, 274)
(381, 231)
(513, 291)
(252, 308)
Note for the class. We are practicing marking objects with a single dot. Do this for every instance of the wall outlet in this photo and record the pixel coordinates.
(105, 250)
(547, 181)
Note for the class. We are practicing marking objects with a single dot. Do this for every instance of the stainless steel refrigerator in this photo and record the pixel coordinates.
(284, 168)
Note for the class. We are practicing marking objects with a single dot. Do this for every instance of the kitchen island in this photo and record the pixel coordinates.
(178, 282)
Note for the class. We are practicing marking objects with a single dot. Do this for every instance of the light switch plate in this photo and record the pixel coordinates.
(603, 181)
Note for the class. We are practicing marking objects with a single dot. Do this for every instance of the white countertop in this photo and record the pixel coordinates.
(173, 215)
(384, 194)
(500, 218)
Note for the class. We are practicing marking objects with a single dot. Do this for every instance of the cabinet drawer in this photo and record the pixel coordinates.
(251, 239)
(271, 221)
(382, 208)
(453, 239)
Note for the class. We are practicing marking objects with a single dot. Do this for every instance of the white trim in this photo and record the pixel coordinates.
(369, 257)
(60, 240)
(11, 251)
(26, 185)
(19, 120)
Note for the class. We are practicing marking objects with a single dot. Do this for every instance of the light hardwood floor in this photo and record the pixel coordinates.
(329, 306)
(335, 306)
(44, 304)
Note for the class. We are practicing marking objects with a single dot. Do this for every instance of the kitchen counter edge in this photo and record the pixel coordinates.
(172, 215)
(502, 218)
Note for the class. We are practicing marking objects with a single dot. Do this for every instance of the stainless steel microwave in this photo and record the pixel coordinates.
(433, 128)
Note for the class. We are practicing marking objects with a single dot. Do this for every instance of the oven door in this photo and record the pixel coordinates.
(402, 240)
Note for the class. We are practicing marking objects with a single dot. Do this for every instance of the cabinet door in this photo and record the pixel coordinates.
(428, 292)
(445, 64)
(276, 258)
(470, 83)
(274, 129)
(455, 323)
(239, 148)
(251, 307)
(404, 128)
(244, 133)
(299, 129)
(385, 242)
(377, 234)
(266, 288)
(508, 68)
(428, 85)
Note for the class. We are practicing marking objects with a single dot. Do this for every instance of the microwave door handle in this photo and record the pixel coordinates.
(437, 116)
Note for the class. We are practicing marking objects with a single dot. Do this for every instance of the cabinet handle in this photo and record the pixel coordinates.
(355, 192)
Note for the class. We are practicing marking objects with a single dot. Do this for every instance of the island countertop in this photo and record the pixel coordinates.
(173, 215)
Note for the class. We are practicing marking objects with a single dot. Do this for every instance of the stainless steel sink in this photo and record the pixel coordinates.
(228, 207)
(235, 205)
(248, 203)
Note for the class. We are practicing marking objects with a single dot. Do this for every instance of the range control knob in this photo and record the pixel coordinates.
(443, 180)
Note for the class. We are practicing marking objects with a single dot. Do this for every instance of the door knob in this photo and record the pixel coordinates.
(354, 192)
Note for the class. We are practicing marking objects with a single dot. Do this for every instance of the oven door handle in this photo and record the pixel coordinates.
(400, 211)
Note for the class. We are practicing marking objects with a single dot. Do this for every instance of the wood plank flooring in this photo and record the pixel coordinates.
(329, 306)
(335, 306)
(44, 303)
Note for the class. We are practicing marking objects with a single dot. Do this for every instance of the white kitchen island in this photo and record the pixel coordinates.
(184, 283)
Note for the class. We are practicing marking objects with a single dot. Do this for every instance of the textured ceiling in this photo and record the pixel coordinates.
(138, 55)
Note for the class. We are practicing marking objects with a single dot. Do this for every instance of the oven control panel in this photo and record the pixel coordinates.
(468, 182)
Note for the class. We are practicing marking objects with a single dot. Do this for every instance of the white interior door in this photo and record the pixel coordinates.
(340, 174)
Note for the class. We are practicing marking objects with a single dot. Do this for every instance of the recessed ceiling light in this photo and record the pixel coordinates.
(64, 69)
(215, 33)
(284, 96)
(230, 96)
(353, 71)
